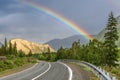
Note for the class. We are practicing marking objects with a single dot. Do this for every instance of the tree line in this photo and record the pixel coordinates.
(95, 52)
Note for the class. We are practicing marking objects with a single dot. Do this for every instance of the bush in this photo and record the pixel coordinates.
(11, 57)
(18, 62)
(9, 64)
(42, 57)
(114, 71)
(2, 66)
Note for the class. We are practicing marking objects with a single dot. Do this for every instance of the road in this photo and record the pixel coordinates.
(42, 71)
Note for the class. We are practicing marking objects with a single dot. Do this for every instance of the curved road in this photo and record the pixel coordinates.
(42, 71)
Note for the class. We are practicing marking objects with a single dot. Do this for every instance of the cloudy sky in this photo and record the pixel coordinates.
(20, 20)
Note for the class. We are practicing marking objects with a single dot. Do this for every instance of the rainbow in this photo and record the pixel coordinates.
(59, 18)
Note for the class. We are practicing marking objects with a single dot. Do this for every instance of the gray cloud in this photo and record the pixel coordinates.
(18, 20)
(29, 26)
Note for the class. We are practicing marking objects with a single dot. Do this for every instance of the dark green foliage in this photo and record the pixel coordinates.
(111, 37)
(60, 53)
(92, 52)
(30, 53)
(21, 53)
(5, 46)
(8, 49)
(15, 49)
(46, 56)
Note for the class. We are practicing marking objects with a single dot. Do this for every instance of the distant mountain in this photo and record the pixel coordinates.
(26, 46)
(66, 42)
(100, 36)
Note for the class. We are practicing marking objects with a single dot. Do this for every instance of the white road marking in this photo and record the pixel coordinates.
(43, 72)
(69, 69)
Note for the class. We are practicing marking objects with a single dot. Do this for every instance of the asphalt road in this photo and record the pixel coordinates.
(42, 71)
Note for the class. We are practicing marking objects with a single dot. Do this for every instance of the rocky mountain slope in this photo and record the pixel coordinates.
(66, 42)
(26, 46)
(100, 36)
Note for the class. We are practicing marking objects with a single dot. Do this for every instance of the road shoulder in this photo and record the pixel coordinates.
(80, 72)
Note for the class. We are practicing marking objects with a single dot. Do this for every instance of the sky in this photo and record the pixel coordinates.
(20, 20)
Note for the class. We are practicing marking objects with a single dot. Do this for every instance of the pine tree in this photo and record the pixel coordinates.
(10, 48)
(75, 49)
(60, 53)
(30, 53)
(15, 49)
(111, 36)
(5, 46)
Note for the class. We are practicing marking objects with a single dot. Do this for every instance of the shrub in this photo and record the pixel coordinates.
(18, 62)
(114, 71)
(9, 64)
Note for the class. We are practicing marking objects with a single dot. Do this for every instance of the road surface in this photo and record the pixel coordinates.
(51, 71)
(42, 71)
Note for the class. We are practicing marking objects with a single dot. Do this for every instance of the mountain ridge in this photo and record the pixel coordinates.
(26, 46)
(66, 42)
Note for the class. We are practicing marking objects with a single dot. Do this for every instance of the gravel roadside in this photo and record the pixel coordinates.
(80, 72)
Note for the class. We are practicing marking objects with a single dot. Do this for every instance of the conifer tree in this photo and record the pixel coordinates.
(111, 36)
(5, 46)
(10, 48)
(60, 53)
(30, 53)
(15, 49)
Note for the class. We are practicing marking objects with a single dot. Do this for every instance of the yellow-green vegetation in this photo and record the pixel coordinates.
(46, 56)
(86, 69)
(14, 62)
(114, 71)
(119, 54)
(93, 77)
(16, 69)
(83, 67)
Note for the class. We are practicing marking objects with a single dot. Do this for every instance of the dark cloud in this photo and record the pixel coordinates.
(33, 27)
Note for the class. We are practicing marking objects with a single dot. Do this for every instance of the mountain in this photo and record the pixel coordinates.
(66, 42)
(26, 46)
(100, 36)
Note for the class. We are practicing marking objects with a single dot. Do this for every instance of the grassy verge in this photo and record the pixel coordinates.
(91, 75)
(15, 64)
(16, 69)
(114, 71)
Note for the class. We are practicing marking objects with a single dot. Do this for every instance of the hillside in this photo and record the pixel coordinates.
(26, 46)
(66, 42)
(100, 36)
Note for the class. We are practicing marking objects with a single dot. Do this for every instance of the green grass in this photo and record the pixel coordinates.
(86, 69)
(92, 76)
(114, 71)
(13, 63)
